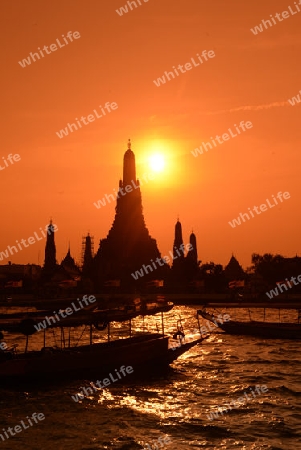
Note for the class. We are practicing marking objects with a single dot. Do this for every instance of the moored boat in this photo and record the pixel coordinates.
(272, 330)
(144, 351)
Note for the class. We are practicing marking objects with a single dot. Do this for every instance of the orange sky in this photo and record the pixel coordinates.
(116, 59)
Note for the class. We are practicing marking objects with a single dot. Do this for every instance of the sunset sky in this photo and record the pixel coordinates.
(116, 59)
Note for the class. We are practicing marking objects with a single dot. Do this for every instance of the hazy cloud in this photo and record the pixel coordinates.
(249, 108)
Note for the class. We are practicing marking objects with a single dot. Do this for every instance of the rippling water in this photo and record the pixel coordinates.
(175, 405)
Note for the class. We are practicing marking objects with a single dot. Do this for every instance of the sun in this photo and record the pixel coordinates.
(157, 162)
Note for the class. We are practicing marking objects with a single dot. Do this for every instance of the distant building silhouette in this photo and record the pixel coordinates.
(50, 251)
(233, 270)
(19, 275)
(192, 254)
(87, 255)
(128, 245)
(178, 253)
(192, 263)
(185, 268)
(69, 265)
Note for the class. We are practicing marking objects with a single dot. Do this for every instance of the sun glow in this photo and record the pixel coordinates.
(157, 159)
(157, 162)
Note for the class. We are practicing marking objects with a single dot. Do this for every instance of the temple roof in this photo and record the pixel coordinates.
(233, 269)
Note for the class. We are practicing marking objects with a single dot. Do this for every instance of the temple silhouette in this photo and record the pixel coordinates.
(129, 248)
(128, 245)
(50, 251)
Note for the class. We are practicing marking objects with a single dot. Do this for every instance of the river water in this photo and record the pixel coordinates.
(175, 406)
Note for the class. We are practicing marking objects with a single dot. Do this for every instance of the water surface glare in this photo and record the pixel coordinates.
(176, 404)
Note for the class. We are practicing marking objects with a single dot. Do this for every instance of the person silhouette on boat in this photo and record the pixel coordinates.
(179, 335)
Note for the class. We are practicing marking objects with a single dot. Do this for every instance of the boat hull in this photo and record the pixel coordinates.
(270, 330)
(263, 329)
(143, 353)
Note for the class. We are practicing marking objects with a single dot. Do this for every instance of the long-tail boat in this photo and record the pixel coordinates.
(143, 351)
(272, 330)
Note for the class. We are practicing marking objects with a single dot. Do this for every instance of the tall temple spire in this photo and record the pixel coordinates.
(128, 245)
(129, 166)
(192, 263)
(50, 250)
(193, 253)
(87, 253)
(178, 241)
(68, 258)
